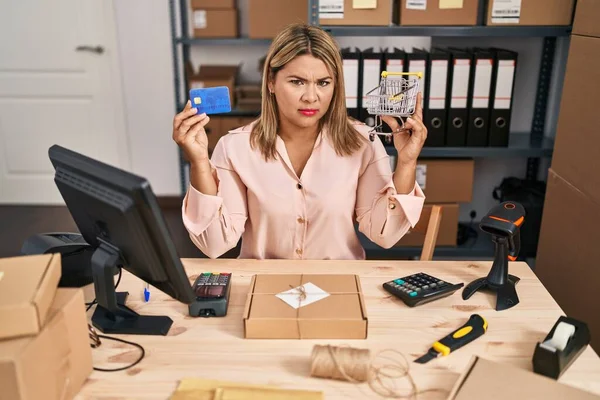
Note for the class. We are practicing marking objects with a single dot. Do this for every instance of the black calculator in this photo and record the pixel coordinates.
(420, 288)
(212, 295)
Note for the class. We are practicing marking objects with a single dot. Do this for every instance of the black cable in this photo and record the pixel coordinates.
(139, 346)
(95, 336)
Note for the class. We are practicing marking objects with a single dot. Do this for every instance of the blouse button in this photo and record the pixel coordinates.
(299, 186)
(300, 220)
(392, 206)
(299, 252)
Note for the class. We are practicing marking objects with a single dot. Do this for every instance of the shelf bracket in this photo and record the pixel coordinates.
(541, 103)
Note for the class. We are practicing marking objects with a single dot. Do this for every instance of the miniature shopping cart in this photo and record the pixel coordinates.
(396, 95)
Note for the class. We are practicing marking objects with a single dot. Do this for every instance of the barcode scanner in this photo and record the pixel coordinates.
(503, 222)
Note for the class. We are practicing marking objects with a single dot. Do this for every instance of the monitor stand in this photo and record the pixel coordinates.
(112, 316)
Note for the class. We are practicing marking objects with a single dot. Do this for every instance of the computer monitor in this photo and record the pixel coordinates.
(118, 215)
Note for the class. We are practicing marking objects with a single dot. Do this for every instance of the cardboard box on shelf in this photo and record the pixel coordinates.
(530, 12)
(446, 181)
(346, 12)
(212, 4)
(447, 233)
(568, 250)
(213, 75)
(209, 23)
(248, 97)
(266, 25)
(586, 18)
(496, 381)
(444, 12)
(54, 364)
(222, 125)
(213, 132)
(27, 288)
(577, 145)
(329, 307)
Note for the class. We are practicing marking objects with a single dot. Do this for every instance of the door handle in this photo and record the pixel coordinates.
(97, 49)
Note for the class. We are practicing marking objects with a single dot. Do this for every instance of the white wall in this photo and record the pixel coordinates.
(146, 56)
(144, 40)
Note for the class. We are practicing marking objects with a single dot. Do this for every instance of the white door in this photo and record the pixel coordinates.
(59, 84)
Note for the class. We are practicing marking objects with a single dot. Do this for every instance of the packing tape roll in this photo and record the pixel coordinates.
(560, 338)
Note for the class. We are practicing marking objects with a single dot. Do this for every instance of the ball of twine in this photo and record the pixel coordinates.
(357, 366)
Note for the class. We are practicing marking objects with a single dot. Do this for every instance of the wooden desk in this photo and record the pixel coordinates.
(214, 348)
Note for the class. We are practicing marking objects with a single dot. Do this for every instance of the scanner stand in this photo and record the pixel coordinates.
(112, 316)
(498, 279)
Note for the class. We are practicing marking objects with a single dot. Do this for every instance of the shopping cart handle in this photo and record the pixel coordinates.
(419, 74)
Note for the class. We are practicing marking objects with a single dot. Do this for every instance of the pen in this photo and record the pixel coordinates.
(147, 292)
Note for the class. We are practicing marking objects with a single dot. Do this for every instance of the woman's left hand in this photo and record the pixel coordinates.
(409, 140)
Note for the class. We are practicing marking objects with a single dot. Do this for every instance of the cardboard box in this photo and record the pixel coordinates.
(214, 75)
(384, 14)
(586, 18)
(220, 126)
(568, 251)
(440, 13)
(55, 363)
(209, 23)
(341, 315)
(447, 233)
(531, 12)
(577, 145)
(266, 25)
(499, 381)
(212, 4)
(248, 97)
(27, 288)
(446, 181)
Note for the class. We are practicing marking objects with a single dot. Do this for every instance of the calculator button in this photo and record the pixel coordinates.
(433, 285)
(426, 287)
(418, 289)
(413, 294)
(399, 281)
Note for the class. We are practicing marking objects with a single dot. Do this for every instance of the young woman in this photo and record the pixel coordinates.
(293, 183)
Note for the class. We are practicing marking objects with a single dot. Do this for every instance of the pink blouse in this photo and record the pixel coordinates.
(280, 215)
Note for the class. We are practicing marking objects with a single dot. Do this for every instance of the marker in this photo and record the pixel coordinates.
(147, 293)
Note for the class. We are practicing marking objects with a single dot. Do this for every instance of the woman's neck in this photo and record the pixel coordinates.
(291, 133)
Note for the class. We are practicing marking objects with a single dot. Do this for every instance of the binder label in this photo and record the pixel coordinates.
(422, 175)
(437, 86)
(371, 74)
(504, 84)
(351, 82)
(333, 9)
(483, 83)
(395, 66)
(506, 11)
(460, 83)
(418, 66)
(416, 4)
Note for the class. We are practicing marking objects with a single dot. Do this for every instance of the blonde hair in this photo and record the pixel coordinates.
(293, 41)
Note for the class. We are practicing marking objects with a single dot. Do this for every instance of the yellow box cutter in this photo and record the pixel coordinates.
(475, 327)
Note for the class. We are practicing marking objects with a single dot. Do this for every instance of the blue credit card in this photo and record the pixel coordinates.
(213, 100)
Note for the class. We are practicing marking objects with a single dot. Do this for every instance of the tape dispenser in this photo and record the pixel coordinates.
(565, 342)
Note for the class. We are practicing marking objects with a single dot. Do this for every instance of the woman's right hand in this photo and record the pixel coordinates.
(189, 134)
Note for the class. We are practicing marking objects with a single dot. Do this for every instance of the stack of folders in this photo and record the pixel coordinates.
(467, 92)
